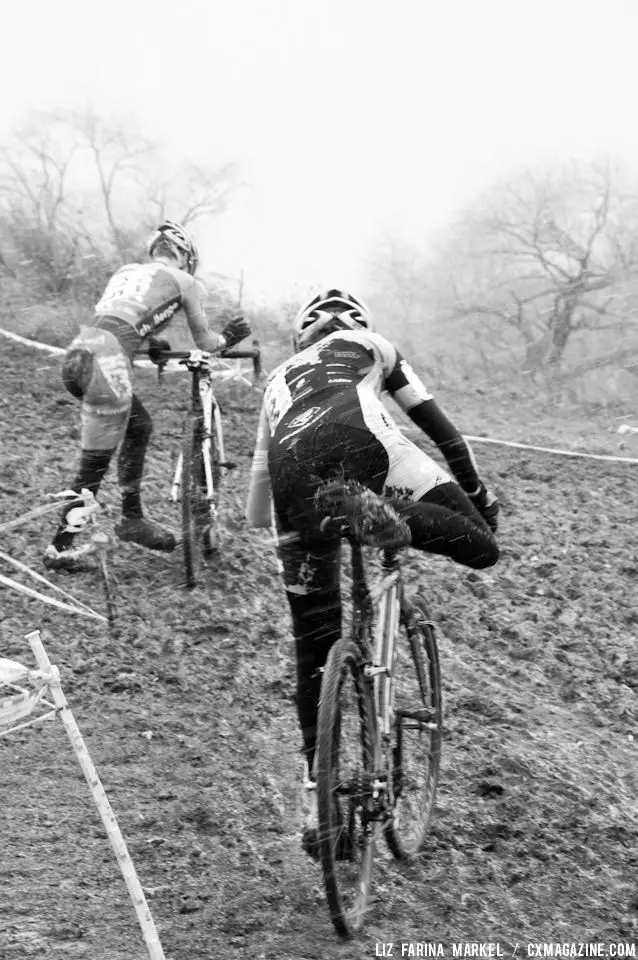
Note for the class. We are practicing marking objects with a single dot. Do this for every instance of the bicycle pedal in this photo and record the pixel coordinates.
(372, 670)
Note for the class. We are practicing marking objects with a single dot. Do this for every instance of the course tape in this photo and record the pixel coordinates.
(37, 576)
(33, 343)
(503, 443)
(29, 515)
(173, 366)
(20, 587)
(562, 453)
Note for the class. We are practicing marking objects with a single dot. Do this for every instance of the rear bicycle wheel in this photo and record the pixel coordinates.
(416, 732)
(195, 508)
(344, 794)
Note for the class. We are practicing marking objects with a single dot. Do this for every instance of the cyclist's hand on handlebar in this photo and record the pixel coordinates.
(486, 503)
(157, 346)
(236, 330)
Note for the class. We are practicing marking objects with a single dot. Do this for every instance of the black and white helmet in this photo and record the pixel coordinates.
(328, 311)
(179, 242)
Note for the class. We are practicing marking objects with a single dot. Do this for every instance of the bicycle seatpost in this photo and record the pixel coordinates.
(256, 361)
(160, 370)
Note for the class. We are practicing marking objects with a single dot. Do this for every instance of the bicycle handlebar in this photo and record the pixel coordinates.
(233, 354)
(252, 353)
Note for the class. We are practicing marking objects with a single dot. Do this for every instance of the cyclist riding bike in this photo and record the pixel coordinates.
(322, 416)
(139, 301)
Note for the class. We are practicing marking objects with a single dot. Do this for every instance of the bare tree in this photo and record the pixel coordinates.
(34, 201)
(76, 187)
(399, 290)
(118, 153)
(34, 167)
(545, 259)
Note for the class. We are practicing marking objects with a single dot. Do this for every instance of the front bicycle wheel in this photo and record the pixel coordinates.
(195, 505)
(416, 731)
(344, 787)
(213, 486)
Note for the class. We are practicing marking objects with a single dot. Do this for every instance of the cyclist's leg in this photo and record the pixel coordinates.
(130, 461)
(134, 527)
(441, 517)
(311, 578)
(445, 521)
(310, 569)
(96, 371)
(311, 562)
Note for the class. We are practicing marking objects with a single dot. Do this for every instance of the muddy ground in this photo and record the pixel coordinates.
(190, 719)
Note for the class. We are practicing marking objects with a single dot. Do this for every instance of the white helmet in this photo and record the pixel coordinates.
(326, 312)
(179, 242)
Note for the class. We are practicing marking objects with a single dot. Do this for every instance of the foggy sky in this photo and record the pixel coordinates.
(346, 115)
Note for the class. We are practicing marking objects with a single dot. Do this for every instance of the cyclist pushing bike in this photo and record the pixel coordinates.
(139, 301)
(322, 417)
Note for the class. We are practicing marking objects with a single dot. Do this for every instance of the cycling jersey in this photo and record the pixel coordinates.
(147, 296)
(339, 370)
(140, 299)
(339, 380)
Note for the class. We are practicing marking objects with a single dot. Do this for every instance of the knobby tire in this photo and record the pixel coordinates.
(415, 760)
(346, 834)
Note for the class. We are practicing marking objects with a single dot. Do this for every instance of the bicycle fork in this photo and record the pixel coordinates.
(210, 414)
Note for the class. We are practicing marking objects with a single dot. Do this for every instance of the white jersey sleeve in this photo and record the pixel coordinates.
(259, 501)
(399, 379)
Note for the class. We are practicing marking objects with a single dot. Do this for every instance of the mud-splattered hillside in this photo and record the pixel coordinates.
(190, 719)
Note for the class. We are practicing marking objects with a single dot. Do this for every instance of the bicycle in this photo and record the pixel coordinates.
(378, 765)
(202, 458)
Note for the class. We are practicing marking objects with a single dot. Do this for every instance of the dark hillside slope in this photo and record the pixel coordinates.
(189, 716)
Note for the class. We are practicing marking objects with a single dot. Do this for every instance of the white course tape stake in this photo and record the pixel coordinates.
(146, 922)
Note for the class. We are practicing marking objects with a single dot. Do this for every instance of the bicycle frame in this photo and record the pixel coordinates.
(202, 392)
(387, 631)
(384, 780)
(381, 655)
(204, 404)
(198, 478)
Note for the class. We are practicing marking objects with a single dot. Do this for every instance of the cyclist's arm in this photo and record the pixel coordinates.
(419, 404)
(430, 418)
(205, 339)
(259, 502)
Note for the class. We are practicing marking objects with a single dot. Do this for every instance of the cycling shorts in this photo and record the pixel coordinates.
(97, 370)
(358, 441)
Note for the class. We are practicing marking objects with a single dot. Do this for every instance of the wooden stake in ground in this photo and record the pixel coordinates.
(149, 930)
